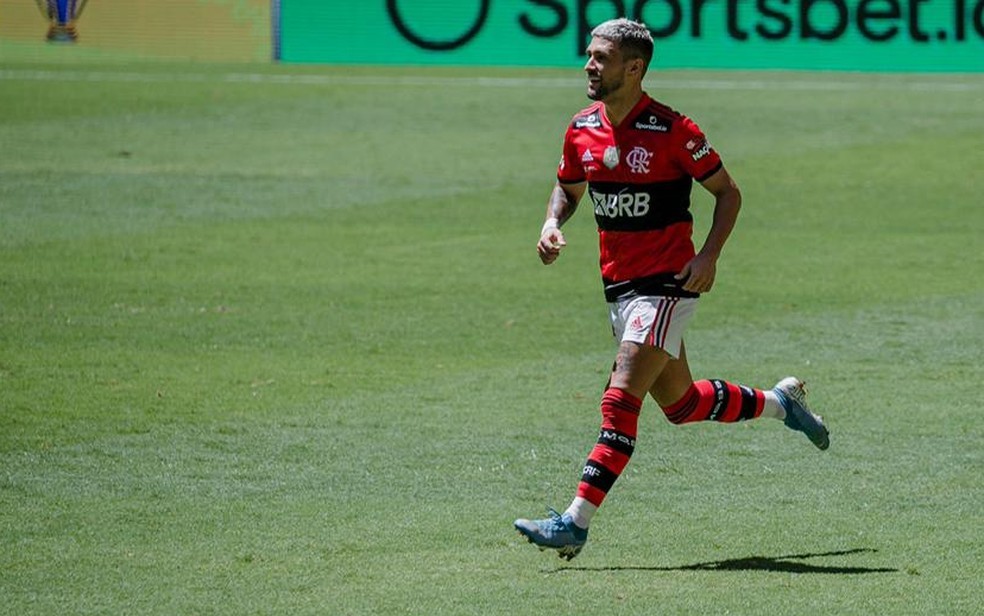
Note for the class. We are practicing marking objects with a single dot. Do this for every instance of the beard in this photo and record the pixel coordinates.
(601, 91)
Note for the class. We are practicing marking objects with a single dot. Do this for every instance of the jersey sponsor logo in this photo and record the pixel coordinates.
(592, 120)
(622, 204)
(698, 148)
(639, 206)
(652, 123)
(638, 159)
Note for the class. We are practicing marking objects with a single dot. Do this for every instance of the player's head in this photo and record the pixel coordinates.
(620, 51)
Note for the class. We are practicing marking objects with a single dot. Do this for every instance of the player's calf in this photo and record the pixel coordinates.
(716, 400)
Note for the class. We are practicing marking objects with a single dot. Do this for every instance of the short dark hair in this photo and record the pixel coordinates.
(632, 38)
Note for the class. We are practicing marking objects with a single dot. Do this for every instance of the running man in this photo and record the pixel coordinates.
(637, 160)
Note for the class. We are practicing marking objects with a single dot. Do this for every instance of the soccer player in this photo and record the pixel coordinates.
(637, 160)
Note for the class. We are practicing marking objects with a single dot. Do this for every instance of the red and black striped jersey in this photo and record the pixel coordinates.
(640, 174)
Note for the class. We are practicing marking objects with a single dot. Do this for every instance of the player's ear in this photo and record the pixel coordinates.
(637, 67)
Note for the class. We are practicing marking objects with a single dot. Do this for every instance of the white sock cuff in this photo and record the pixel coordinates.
(772, 408)
(581, 511)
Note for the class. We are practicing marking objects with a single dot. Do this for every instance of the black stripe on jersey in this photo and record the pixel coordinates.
(571, 182)
(716, 168)
(620, 206)
(662, 285)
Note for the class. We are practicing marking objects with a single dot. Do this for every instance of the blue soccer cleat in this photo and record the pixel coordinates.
(792, 397)
(558, 532)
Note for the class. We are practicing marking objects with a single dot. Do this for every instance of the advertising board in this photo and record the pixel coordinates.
(864, 35)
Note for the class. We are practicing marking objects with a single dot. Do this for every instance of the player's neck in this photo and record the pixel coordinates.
(619, 104)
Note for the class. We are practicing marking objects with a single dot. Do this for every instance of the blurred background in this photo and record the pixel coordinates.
(214, 30)
(877, 35)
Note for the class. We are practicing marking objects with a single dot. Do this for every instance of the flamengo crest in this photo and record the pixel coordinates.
(638, 159)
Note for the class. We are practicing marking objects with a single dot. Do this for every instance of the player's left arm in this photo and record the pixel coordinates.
(698, 275)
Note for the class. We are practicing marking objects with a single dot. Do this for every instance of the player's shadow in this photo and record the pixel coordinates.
(783, 564)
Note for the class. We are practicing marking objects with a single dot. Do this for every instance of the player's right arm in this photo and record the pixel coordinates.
(560, 207)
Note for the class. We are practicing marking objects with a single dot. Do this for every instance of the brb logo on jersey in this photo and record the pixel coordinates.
(622, 204)
(638, 159)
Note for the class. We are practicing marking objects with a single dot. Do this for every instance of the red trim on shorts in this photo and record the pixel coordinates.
(660, 328)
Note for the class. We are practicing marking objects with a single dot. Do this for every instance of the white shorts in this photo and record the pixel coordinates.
(652, 320)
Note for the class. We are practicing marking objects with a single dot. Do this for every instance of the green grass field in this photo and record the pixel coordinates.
(276, 340)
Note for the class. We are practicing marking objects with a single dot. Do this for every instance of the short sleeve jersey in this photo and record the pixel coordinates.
(640, 174)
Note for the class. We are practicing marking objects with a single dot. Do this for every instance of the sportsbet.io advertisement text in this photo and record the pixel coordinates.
(864, 35)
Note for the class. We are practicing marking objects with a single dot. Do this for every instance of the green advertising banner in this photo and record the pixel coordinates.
(864, 35)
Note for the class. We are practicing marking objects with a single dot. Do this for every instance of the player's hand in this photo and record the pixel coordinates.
(550, 244)
(698, 274)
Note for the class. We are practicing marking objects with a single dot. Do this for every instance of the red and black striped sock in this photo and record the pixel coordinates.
(716, 400)
(619, 427)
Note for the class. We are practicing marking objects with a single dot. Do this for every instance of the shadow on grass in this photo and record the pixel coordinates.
(782, 564)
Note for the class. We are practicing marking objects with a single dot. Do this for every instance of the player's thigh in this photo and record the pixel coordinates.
(673, 381)
(637, 367)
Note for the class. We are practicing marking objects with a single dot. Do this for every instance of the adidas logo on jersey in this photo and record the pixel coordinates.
(587, 158)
